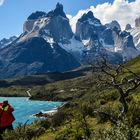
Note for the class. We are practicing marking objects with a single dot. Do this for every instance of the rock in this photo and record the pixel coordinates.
(62, 32)
(125, 45)
(40, 114)
(57, 12)
(86, 25)
(28, 26)
(128, 27)
(114, 24)
(137, 22)
(107, 36)
(135, 32)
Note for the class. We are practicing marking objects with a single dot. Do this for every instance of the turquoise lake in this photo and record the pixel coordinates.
(25, 108)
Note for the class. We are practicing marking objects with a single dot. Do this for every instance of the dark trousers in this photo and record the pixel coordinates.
(3, 129)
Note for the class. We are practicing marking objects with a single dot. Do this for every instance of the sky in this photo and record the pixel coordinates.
(13, 13)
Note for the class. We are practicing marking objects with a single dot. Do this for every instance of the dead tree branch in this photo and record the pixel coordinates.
(112, 77)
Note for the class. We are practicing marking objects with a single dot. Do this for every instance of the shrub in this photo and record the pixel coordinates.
(120, 132)
(58, 118)
(23, 132)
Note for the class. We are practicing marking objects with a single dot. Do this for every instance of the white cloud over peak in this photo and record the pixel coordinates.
(1, 2)
(121, 10)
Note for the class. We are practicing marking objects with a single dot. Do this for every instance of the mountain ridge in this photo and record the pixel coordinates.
(90, 40)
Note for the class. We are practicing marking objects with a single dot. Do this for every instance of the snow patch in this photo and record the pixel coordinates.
(73, 46)
(47, 31)
(50, 40)
(94, 23)
(85, 42)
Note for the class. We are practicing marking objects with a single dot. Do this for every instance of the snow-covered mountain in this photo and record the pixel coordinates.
(55, 27)
(37, 49)
(110, 36)
(49, 43)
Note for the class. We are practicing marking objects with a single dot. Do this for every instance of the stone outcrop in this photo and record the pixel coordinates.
(137, 22)
(128, 27)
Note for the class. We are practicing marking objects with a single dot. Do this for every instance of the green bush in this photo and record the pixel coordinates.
(120, 132)
(58, 118)
(133, 115)
(23, 132)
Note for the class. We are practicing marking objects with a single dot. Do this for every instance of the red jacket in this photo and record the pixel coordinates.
(6, 116)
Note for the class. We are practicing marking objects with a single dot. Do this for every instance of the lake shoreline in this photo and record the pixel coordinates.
(35, 98)
(32, 99)
(25, 109)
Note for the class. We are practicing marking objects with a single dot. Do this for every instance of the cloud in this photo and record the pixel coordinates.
(121, 10)
(1, 2)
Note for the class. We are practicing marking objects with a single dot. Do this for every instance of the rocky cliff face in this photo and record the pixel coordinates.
(135, 32)
(54, 24)
(124, 45)
(86, 25)
(114, 24)
(137, 22)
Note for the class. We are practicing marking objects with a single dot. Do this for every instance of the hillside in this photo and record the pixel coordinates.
(77, 119)
(19, 86)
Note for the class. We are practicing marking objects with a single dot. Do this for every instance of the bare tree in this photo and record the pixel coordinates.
(120, 78)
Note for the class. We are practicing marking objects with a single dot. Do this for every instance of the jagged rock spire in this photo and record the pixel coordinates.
(128, 27)
(58, 11)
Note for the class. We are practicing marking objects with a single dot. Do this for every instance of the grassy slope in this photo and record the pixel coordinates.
(102, 99)
(19, 86)
(82, 93)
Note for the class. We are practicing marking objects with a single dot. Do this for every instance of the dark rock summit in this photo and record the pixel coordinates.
(86, 25)
(114, 24)
(54, 24)
(128, 27)
(57, 12)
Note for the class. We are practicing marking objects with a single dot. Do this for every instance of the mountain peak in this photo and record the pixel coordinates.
(90, 14)
(87, 16)
(113, 25)
(128, 27)
(59, 6)
(90, 19)
(58, 11)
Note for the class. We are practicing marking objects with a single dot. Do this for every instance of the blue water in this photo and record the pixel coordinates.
(24, 108)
